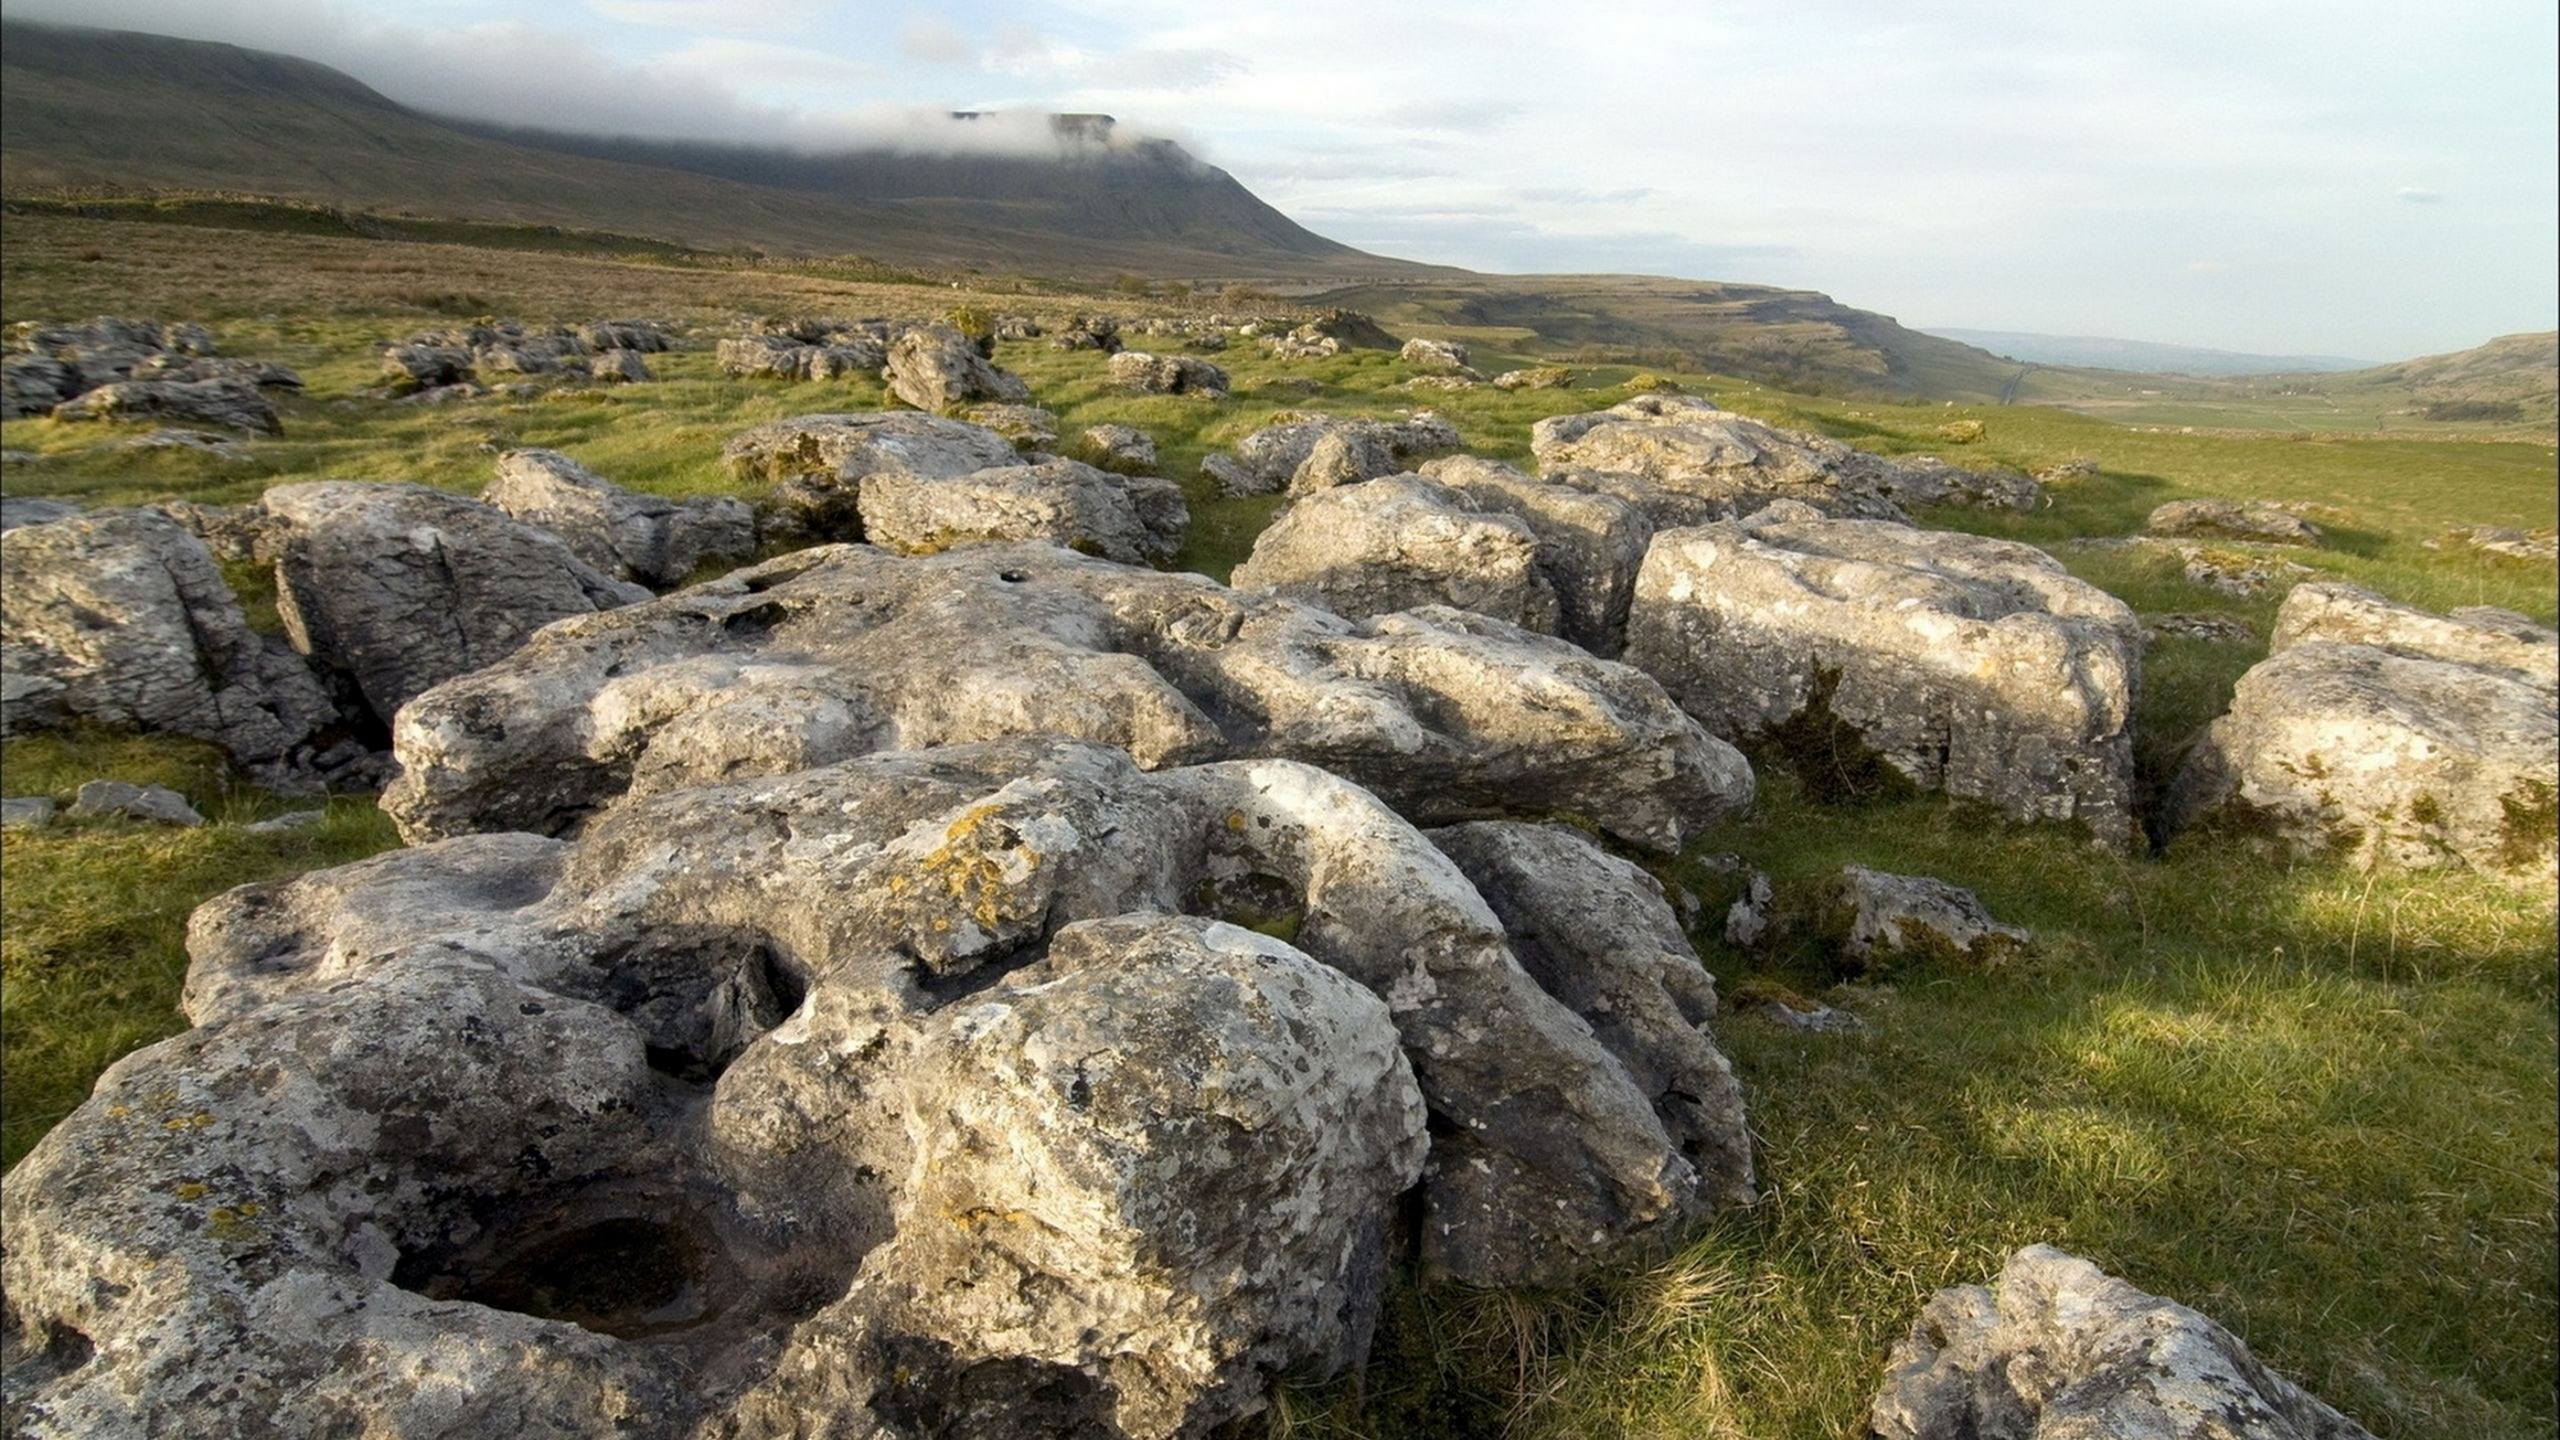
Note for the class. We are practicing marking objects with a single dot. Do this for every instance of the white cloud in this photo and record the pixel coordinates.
(935, 42)
(2420, 195)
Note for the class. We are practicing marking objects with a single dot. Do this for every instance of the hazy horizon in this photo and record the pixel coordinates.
(2370, 183)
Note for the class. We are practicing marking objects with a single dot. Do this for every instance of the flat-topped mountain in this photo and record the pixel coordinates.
(101, 110)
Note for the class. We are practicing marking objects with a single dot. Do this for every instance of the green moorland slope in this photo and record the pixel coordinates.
(2316, 1104)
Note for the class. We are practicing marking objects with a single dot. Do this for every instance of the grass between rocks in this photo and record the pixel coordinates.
(2315, 1104)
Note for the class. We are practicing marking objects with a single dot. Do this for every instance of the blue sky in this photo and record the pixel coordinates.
(2353, 178)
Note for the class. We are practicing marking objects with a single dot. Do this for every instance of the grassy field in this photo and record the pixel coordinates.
(2314, 1103)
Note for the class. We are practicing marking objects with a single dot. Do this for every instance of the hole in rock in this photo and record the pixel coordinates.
(701, 1000)
(638, 1260)
(754, 620)
(1255, 900)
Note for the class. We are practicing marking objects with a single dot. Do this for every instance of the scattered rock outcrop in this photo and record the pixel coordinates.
(936, 368)
(2057, 1349)
(1146, 374)
(433, 360)
(816, 463)
(1396, 543)
(779, 357)
(1302, 453)
(50, 365)
(121, 618)
(1028, 426)
(152, 804)
(1865, 921)
(2504, 542)
(921, 1094)
(399, 587)
(1125, 448)
(1975, 666)
(2479, 635)
(921, 484)
(2231, 520)
(232, 404)
(1536, 377)
(1331, 333)
(650, 539)
(1437, 354)
(1590, 546)
(1688, 462)
(848, 649)
(2391, 736)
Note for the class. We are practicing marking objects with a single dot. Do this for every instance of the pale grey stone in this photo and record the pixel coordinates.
(2056, 1349)
(157, 804)
(1398, 542)
(1146, 374)
(26, 812)
(843, 650)
(2478, 635)
(645, 538)
(2232, 520)
(936, 368)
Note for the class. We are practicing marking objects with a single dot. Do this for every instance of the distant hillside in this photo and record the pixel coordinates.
(89, 109)
(2139, 356)
(2514, 378)
(1797, 338)
(87, 112)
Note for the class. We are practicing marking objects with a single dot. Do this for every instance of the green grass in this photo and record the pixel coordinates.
(94, 912)
(2315, 1104)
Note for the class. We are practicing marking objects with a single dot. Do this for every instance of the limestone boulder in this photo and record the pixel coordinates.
(399, 587)
(1302, 453)
(231, 404)
(17, 510)
(1590, 546)
(1535, 377)
(1028, 426)
(121, 618)
(937, 369)
(2057, 1349)
(2388, 759)
(1438, 354)
(1124, 448)
(2232, 520)
(844, 650)
(1865, 921)
(2477, 635)
(648, 539)
(1974, 666)
(1145, 374)
(816, 464)
(926, 1093)
(618, 367)
(1400, 542)
(1133, 519)
(1688, 462)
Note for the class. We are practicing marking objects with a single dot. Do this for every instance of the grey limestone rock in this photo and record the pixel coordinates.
(1398, 542)
(645, 538)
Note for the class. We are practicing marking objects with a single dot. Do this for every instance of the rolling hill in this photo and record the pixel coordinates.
(2143, 357)
(2514, 377)
(90, 110)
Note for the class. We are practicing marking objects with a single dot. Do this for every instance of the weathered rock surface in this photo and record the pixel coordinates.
(1690, 462)
(816, 463)
(938, 369)
(1028, 426)
(1867, 920)
(2056, 1349)
(1590, 546)
(1133, 519)
(1975, 666)
(1441, 354)
(51, 364)
(1536, 377)
(26, 812)
(2505, 542)
(645, 538)
(776, 357)
(1303, 453)
(1928, 480)
(157, 804)
(891, 1098)
(843, 650)
(17, 510)
(2197, 625)
(464, 354)
(399, 587)
(2389, 759)
(1397, 543)
(2231, 520)
(2478, 635)
(1147, 374)
(1125, 448)
(1597, 933)
(121, 618)
(232, 404)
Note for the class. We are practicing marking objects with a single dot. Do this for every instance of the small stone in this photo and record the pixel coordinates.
(2231, 520)
(26, 812)
(288, 821)
(156, 803)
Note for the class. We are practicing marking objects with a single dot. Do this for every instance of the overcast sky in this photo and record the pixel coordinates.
(2349, 177)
